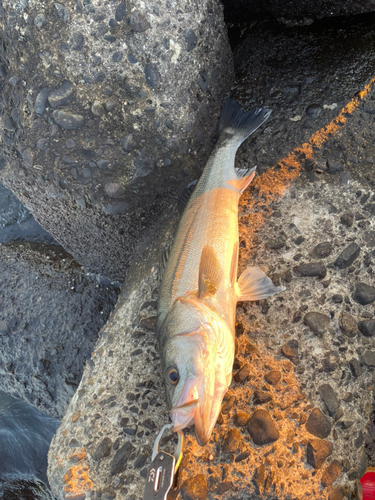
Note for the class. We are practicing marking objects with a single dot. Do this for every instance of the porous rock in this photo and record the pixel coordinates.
(88, 52)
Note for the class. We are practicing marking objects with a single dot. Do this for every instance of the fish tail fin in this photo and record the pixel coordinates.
(238, 123)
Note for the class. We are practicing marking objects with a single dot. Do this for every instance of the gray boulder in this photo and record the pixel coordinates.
(120, 94)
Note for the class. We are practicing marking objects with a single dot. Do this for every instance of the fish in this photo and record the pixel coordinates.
(199, 289)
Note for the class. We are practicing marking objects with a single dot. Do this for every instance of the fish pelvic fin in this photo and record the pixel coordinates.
(254, 284)
(239, 124)
(210, 272)
(164, 256)
(243, 178)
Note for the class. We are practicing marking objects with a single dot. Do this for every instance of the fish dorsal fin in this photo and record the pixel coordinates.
(184, 197)
(234, 265)
(164, 256)
(243, 178)
(210, 272)
(254, 284)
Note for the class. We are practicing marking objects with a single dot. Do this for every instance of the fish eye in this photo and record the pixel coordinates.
(172, 375)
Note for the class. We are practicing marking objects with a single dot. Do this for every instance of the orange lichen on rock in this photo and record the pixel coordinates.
(76, 478)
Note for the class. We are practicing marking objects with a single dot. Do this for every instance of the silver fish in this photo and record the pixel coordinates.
(199, 289)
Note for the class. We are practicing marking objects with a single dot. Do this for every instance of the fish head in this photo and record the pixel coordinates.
(197, 370)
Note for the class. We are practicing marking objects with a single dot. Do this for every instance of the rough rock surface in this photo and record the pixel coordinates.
(121, 394)
(108, 111)
(50, 315)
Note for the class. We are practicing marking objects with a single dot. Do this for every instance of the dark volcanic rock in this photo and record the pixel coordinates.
(364, 294)
(262, 428)
(194, 488)
(323, 249)
(331, 473)
(121, 458)
(369, 358)
(62, 96)
(317, 451)
(317, 424)
(335, 167)
(348, 325)
(311, 269)
(367, 327)
(317, 322)
(348, 256)
(355, 368)
(329, 397)
(103, 450)
(41, 101)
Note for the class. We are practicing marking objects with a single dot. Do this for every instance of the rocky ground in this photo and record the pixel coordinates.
(50, 315)
(296, 421)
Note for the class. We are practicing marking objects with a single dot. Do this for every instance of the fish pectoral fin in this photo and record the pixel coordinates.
(164, 256)
(254, 284)
(210, 272)
(234, 265)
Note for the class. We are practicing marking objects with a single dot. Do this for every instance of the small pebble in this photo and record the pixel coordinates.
(317, 424)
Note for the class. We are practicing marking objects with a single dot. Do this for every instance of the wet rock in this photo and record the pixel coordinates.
(241, 418)
(323, 250)
(367, 327)
(317, 322)
(103, 450)
(317, 424)
(348, 325)
(275, 243)
(348, 256)
(194, 488)
(41, 101)
(121, 458)
(262, 428)
(369, 358)
(68, 121)
(62, 96)
(329, 397)
(233, 442)
(347, 219)
(273, 377)
(331, 473)
(317, 451)
(335, 167)
(311, 269)
(261, 397)
(364, 294)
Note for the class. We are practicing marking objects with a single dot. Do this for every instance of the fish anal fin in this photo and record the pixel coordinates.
(164, 256)
(254, 284)
(243, 179)
(234, 265)
(210, 272)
